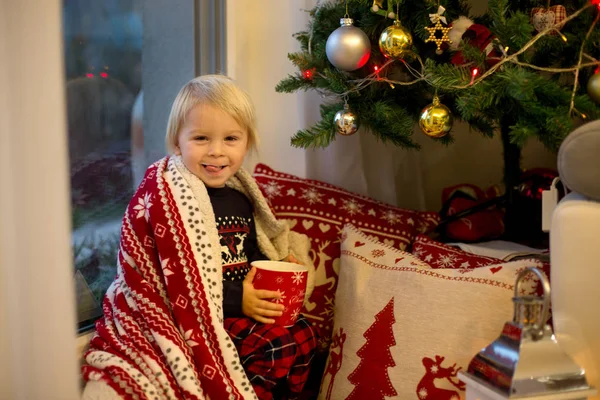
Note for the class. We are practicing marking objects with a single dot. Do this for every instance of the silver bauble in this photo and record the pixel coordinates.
(348, 48)
(346, 122)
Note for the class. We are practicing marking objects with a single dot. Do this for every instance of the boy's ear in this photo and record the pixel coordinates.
(177, 150)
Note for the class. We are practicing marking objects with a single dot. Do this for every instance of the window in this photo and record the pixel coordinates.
(103, 58)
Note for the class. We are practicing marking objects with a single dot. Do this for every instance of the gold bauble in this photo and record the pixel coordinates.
(593, 87)
(395, 40)
(346, 122)
(436, 119)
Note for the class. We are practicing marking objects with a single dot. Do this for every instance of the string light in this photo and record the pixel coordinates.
(563, 37)
(89, 75)
(474, 73)
(308, 74)
(104, 75)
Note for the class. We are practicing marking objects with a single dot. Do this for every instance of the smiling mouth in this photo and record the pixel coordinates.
(213, 168)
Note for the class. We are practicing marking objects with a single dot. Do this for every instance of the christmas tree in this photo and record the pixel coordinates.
(525, 69)
(370, 378)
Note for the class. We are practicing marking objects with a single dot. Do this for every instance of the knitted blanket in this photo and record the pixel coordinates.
(162, 334)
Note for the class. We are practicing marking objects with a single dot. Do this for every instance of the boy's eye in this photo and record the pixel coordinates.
(200, 138)
(231, 138)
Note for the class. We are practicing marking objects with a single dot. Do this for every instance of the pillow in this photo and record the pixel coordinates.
(320, 210)
(402, 329)
(440, 255)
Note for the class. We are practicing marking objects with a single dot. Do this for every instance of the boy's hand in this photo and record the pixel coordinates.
(255, 303)
(290, 258)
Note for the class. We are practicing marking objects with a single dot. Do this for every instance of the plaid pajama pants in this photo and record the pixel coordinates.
(272, 354)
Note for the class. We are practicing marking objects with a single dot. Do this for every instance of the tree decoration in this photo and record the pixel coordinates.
(465, 31)
(593, 87)
(395, 41)
(546, 18)
(377, 8)
(346, 122)
(437, 20)
(436, 119)
(348, 48)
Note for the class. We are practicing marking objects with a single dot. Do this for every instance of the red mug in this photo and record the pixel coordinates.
(289, 280)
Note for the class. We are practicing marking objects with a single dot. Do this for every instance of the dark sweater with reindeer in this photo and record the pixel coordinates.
(237, 234)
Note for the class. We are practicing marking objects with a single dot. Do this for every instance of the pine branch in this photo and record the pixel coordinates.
(388, 122)
(293, 83)
(498, 10)
(445, 75)
(322, 133)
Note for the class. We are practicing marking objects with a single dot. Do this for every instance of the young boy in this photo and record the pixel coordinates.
(182, 319)
(212, 128)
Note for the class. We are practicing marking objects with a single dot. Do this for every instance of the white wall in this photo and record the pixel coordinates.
(259, 37)
(37, 302)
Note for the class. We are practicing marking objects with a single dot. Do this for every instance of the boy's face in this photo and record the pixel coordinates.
(212, 144)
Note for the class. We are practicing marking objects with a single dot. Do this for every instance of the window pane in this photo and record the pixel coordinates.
(103, 54)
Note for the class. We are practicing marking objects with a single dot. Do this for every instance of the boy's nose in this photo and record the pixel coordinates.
(216, 148)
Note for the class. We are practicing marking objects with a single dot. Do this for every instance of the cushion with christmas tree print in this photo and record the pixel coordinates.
(320, 210)
(403, 329)
(440, 255)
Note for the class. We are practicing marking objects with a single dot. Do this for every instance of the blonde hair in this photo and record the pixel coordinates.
(218, 91)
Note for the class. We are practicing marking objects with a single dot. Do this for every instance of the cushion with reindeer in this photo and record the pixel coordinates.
(320, 210)
(403, 329)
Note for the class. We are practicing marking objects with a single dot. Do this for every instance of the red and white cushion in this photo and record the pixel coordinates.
(320, 210)
(440, 255)
(403, 330)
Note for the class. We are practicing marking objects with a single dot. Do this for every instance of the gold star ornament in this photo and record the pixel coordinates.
(435, 38)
